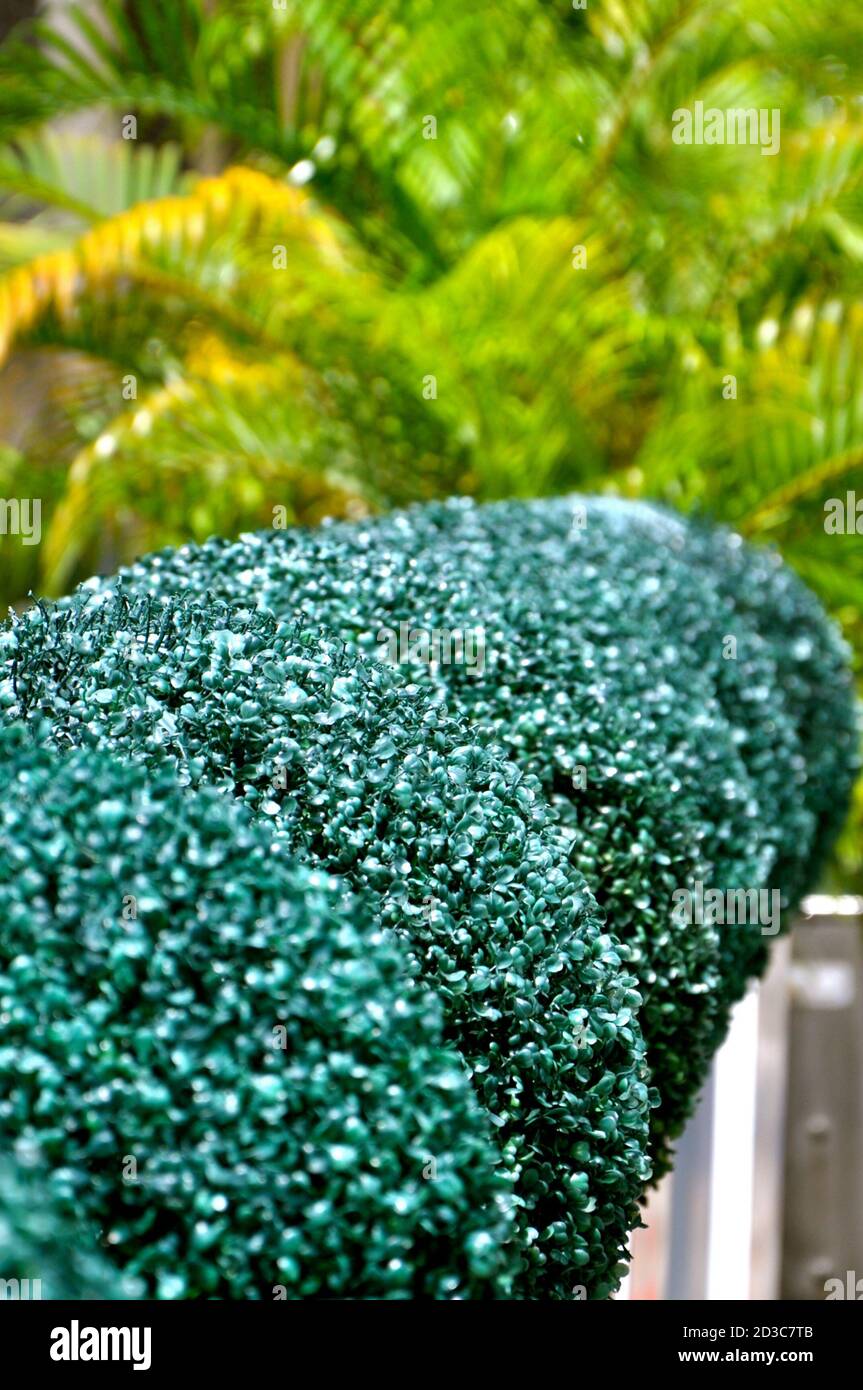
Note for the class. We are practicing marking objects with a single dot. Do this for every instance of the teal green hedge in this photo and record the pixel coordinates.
(226, 1066)
(355, 771)
(607, 662)
(640, 705)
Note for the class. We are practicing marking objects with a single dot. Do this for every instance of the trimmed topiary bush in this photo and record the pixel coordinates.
(369, 777)
(620, 665)
(228, 1069)
(812, 669)
(680, 714)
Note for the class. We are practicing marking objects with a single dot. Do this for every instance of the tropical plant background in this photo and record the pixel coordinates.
(331, 256)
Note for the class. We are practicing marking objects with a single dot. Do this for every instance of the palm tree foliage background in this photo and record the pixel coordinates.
(330, 256)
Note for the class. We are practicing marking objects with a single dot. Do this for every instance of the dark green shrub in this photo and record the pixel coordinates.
(225, 1066)
(371, 778)
(671, 755)
(812, 670)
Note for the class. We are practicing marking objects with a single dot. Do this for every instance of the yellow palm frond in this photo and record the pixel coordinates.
(252, 206)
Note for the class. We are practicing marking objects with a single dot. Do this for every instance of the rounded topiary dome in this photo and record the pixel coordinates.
(367, 776)
(226, 1067)
(813, 671)
(650, 673)
(606, 670)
